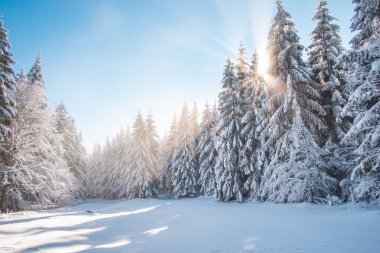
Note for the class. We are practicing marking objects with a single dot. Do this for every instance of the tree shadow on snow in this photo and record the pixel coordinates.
(106, 232)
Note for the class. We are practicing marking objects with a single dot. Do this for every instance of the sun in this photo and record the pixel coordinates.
(263, 64)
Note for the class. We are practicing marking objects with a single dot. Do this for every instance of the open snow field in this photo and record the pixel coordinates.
(192, 225)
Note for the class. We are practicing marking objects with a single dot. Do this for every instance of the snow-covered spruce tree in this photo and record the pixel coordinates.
(153, 143)
(244, 78)
(207, 149)
(277, 42)
(110, 168)
(250, 149)
(106, 166)
(363, 105)
(195, 129)
(261, 103)
(94, 174)
(162, 162)
(117, 166)
(143, 181)
(122, 163)
(229, 183)
(7, 111)
(96, 171)
(323, 53)
(170, 152)
(296, 172)
(38, 147)
(15, 185)
(74, 151)
(113, 169)
(185, 170)
(261, 155)
(365, 22)
(324, 57)
(300, 178)
(246, 119)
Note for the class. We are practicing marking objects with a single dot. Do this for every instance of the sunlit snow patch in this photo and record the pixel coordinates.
(114, 244)
(155, 231)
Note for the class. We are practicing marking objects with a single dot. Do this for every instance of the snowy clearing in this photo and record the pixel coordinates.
(192, 225)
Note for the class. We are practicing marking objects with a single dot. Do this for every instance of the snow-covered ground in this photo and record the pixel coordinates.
(192, 225)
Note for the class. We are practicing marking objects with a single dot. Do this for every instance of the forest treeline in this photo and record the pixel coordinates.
(308, 130)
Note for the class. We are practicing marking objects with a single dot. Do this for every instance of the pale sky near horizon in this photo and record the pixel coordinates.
(108, 59)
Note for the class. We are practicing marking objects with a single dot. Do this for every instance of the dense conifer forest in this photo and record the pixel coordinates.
(307, 130)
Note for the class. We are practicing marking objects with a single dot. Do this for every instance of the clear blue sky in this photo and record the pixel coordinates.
(107, 59)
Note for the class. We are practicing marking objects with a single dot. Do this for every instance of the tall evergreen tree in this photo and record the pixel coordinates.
(207, 149)
(93, 170)
(123, 163)
(74, 151)
(7, 85)
(229, 182)
(251, 146)
(246, 97)
(106, 166)
(262, 106)
(185, 181)
(195, 129)
(143, 179)
(296, 172)
(171, 149)
(7, 111)
(38, 148)
(153, 142)
(323, 52)
(114, 168)
(324, 58)
(363, 105)
(16, 182)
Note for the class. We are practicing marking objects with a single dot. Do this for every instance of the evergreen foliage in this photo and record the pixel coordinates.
(296, 172)
(304, 132)
(229, 180)
(42, 177)
(185, 164)
(74, 151)
(363, 105)
(207, 149)
(7, 111)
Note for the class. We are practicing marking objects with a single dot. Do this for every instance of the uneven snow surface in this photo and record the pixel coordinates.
(192, 225)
